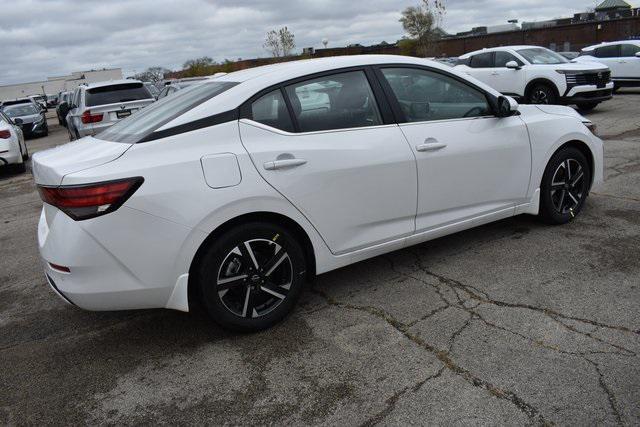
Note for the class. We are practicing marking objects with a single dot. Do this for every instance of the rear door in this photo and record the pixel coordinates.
(471, 164)
(610, 56)
(333, 152)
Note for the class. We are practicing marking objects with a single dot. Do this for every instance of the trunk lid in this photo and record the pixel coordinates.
(113, 113)
(50, 166)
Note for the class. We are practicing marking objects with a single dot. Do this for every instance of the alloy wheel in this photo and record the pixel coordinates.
(254, 278)
(540, 96)
(567, 186)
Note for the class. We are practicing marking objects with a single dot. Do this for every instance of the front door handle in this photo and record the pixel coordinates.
(285, 163)
(495, 73)
(430, 146)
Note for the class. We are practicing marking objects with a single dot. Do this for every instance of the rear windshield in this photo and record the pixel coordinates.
(116, 93)
(137, 126)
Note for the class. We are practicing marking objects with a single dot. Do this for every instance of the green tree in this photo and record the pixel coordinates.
(420, 22)
(202, 66)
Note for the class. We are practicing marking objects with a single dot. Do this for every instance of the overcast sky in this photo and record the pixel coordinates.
(40, 38)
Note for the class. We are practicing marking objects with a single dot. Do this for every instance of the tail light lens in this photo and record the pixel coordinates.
(5, 134)
(90, 200)
(87, 117)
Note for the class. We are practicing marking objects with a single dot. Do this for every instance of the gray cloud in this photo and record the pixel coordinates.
(42, 38)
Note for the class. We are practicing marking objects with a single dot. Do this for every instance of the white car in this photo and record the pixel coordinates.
(537, 75)
(622, 57)
(232, 193)
(13, 149)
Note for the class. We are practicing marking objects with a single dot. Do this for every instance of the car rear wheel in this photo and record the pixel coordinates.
(587, 106)
(542, 94)
(565, 186)
(251, 277)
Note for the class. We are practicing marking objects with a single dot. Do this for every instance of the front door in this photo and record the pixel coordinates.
(352, 176)
(470, 163)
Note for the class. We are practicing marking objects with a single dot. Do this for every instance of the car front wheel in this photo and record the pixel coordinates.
(565, 186)
(542, 94)
(251, 277)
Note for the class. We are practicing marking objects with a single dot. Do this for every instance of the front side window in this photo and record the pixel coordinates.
(629, 49)
(426, 95)
(482, 60)
(502, 58)
(116, 93)
(612, 51)
(137, 126)
(271, 110)
(541, 55)
(339, 101)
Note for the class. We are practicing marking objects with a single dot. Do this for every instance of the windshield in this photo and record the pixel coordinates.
(540, 55)
(18, 110)
(139, 125)
(116, 93)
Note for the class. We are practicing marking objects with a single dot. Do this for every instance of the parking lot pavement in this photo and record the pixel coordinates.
(510, 323)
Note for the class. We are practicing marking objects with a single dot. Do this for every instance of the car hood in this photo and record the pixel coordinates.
(560, 110)
(574, 66)
(51, 166)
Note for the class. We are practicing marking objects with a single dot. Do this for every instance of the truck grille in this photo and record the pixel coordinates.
(600, 78)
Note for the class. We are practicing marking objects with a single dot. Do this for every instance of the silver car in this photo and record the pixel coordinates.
(96, 106)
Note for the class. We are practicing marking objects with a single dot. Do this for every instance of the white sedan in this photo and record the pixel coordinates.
(13, 149)
(232, 193)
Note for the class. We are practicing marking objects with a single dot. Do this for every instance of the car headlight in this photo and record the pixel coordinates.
(591, 126)
(39, 121)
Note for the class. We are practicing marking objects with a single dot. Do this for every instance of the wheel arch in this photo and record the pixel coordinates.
(540, 80)
(261, 216)
(584, 148)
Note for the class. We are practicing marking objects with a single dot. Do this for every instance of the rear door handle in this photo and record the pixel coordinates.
(430, 146)
(282, 164)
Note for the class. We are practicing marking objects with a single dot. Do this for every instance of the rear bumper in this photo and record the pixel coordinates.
(91, 130)
(111, 266)
(10, 157)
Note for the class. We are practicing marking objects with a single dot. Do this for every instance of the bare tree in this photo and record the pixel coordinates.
(420, 22)
(152, 74)
(198, 67)
(280, 42)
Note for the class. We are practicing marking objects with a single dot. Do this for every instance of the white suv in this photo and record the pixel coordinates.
(537, 75)
(622, 57)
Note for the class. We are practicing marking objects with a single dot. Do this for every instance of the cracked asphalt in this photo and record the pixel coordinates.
(514, 322)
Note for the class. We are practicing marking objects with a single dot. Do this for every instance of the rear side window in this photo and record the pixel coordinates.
(629, 49)
(137, 126)
(608, 51)
(482, 60)
(271, 110)
(339, 101)
(116, 93)
(502, 58)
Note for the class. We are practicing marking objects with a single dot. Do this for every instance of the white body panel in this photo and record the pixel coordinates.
(360, 193)
(12, 148)
(625, 67)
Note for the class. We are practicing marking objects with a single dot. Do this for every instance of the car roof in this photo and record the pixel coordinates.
(500, 48)
(253, 80)
(595, 46)
(110, 83)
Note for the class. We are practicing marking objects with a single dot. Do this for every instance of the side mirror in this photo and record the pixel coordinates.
(512, 65)
(507, 106)
(638, 54)
(17, 121)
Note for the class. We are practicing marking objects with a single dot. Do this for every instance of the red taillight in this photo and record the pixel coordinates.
(90, 200)
(87, 117)
(5, 134)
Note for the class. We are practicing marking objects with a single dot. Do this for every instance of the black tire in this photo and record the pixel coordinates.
(243, 304)
(558, 195)
(25, 155)
(19, 167)
(587, 106)
(542, 93)
(616, 88)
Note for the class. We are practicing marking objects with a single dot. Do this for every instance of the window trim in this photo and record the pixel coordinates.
(379, 96)
(395, 104)
(493, 60)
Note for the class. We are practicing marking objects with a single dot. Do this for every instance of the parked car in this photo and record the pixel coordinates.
(153, 90)
(622, 57)
(41, 100)
(62, 109)
(173, 86)
(13, 150)
(537, 75)
(31, 118)
(8, 102)
(96, 106)
(52, 100)
(233, 192)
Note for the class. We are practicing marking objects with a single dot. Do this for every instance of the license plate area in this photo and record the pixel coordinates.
(123, 113)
